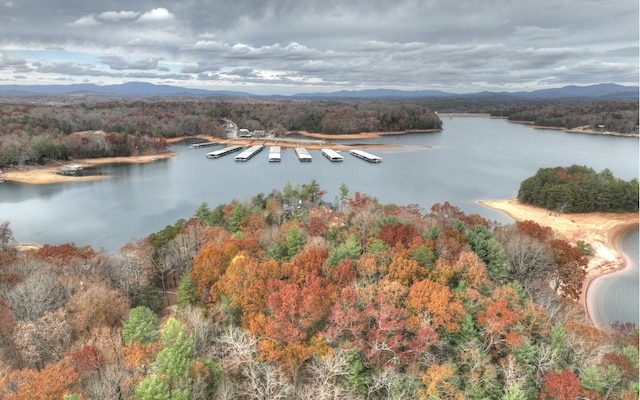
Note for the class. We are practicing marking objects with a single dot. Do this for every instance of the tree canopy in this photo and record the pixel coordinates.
(579, 189)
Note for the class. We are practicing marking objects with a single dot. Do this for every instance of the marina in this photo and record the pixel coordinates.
(275, 154)
(332, 155)
(250, 152)
(225, 151)
(303, 154)
(366, 156)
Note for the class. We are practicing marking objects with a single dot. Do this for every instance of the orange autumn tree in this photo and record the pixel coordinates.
(433, 301)
(295, 311)
(51, 383)
(209, 265)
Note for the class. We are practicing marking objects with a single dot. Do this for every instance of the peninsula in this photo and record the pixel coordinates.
(601, 230)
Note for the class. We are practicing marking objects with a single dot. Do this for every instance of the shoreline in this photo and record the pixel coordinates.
(615, 237)
(47, 174)
(601, 230)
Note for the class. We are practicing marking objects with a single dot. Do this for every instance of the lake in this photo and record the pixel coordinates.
(471, 160)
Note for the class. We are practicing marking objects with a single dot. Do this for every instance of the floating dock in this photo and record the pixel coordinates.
(274, 154)
(225, 151)
(203, 144)
(331, 155)
(250, 152)
(366, 156)
(303, 154)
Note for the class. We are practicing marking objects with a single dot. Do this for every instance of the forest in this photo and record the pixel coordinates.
(596, 115)
(283, 297)
(579, 189)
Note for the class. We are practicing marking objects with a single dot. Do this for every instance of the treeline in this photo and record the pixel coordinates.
(279, 297)
(602, 115)
(20, 148)
(579, 189)
(36, 132)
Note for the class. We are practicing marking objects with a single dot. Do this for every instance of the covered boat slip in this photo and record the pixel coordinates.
(225, 151)
(250, 152)
(365, 156)
(331, 155)
(274, 154)
(303, 154)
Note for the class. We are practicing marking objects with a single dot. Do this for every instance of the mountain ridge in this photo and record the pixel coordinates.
(608, 91)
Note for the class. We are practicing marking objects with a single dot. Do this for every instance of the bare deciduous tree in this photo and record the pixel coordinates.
(6, 236)
(39, 294)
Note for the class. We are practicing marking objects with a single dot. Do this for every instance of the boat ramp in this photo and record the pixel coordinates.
(250, 152)
(303, 154)
(275, 154)
(225, 151)
(331, 155)
(365, 156)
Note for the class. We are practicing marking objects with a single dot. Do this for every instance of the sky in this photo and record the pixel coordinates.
(304, 46)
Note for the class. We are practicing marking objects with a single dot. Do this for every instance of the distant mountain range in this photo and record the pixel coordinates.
(605, 91)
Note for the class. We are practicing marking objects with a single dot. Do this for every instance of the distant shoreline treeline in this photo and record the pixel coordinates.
(32, 133)
(597, 115)
(579, 189)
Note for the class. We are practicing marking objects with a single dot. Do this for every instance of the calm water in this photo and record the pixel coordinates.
(472, 159)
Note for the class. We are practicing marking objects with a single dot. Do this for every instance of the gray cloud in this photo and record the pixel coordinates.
(283, 46)
(120, 63)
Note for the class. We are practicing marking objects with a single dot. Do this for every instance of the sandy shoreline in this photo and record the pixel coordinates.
(601, 230)
(41, 175)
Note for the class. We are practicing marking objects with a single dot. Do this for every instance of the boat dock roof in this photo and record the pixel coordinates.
(250, 152)
(303, 154)
(331, 154)
(366, 156)
(225, 151)
(274, 153)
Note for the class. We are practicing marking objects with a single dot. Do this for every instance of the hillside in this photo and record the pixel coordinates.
(361, 301)
(604, 91)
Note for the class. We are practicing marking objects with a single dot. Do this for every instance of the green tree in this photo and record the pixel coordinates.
(174, 360)
(202, 212)
(514, 392)
(592, 379)
(295, 240)
(350, 249)
(311, 191)
(141, 326)
(344, 194)
(490, 251)
(559, 345)
(187, 292)
(153, 387)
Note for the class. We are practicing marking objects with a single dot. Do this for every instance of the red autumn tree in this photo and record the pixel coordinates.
(398, 234)
(561, 385)
(498, 321)
(534, 230)
(571, 264)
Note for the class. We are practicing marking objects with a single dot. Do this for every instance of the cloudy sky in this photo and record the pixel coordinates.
(292, 46)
